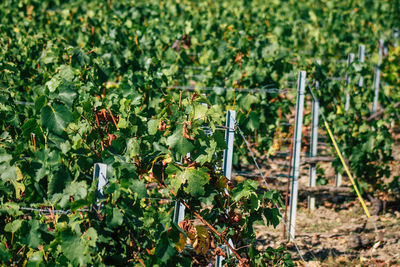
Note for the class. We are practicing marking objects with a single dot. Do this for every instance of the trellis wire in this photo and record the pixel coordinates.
(24, 103)
(214, 88)
(67, 212)
(50, 211)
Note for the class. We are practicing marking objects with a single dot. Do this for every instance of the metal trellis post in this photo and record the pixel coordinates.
(350, 60)
(227, 163)
(377, 77)
(100, 174)
(179, 209)
(296, 153)
(338, 180)
(229, 138)
(314, 146)
(361, 59)
(179, 212)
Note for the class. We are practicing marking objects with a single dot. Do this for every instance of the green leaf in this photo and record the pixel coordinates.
(67, 93)
(196, 179)
(117, 218)
(56, 118)
(139, 187)
(73, 248)
(272, 216)
(132, 147)
(165, 249)
(30, 126)
(35, 258)
(13, 226)
(77, 190)
(364, 128)
(246, 101)
(152, 126)
(58, 180)
(33, 238)
(66, 73)
(9, 173)
(254, 121)
(179, 143)
(90, 237)
(5, 254)
(244, 190)
(199, 111)
(122, 123)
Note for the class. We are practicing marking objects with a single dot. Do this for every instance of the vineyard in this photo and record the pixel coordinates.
(199, 133)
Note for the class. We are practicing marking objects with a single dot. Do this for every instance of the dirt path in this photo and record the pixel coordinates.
(341, 238)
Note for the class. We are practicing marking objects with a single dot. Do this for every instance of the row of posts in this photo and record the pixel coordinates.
(314, 129)
(100, 169)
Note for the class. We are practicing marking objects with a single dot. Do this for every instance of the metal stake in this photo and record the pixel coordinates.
(377, 77)
(350, 60)
(229, 137)
(179, 210)
(100, 174)
(227, 164)
(338, 180)
(361, 58)
(296, 153)
(314, 145)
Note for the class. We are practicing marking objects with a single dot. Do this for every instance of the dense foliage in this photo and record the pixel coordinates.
(92, 81)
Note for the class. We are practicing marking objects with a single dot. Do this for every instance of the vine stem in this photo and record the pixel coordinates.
(211, 227)
(112, 117)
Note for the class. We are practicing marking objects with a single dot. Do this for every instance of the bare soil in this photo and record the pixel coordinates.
(328, 237)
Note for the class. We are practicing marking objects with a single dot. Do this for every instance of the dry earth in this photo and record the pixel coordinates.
(341, 238)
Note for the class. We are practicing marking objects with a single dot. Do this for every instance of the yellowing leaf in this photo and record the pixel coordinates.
(19, 188)
(181, 243)
(203, 240)
(151, 251)
(19, 174)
